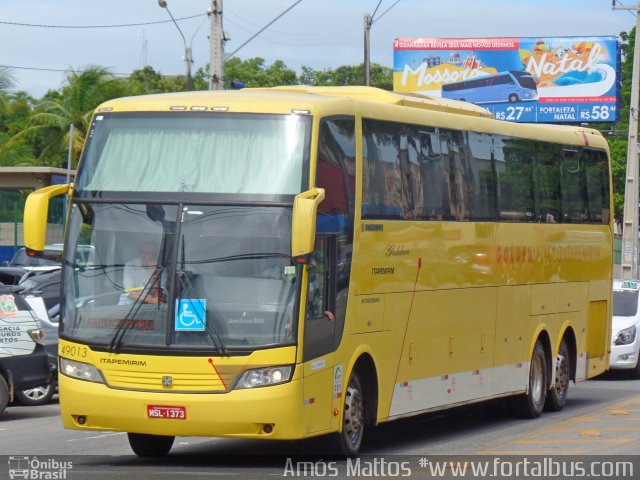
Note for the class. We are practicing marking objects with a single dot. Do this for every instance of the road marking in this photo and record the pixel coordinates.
(602, 419)
(606, 429)
(533, 452)
(608, 416)
(574, 440)
(96, 436)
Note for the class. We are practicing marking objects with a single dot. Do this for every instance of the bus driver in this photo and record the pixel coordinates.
(137, 277)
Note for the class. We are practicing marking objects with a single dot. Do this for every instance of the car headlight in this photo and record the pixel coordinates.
(626, 336)
(262, 377)
(37, 335)
(80, 370)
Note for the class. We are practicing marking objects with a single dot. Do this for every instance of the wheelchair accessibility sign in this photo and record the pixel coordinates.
(191, 315)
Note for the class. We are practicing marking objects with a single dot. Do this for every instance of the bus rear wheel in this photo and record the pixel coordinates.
(150, 445)
(531, 404)
(557, 396)
(353, 417)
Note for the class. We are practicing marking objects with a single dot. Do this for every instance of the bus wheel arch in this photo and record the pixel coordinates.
(360, 404)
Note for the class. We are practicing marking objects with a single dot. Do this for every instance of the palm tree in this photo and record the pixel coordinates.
(82, 92)
(6, 79)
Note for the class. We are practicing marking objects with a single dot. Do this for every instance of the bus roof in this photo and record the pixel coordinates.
(288, 99)
(276, 99)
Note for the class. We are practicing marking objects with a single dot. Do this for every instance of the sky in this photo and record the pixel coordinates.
(320, 34)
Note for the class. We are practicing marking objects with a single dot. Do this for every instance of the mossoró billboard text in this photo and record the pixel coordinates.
(551, 80)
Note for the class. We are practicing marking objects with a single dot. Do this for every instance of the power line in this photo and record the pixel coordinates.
(270, 40)
(383, 13)
(376, 9)
(271, 30)
(261, 30)
(622, 5)
(35, 25)
(62, 70)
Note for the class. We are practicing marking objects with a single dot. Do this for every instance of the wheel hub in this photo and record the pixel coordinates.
(353, 415)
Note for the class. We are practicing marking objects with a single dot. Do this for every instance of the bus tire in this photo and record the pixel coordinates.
(513, 98)
(557, 396)
(144, 445)
(531, 404)
(4, 394)
(353, 418)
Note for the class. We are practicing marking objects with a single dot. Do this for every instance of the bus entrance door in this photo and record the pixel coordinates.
(319, 334)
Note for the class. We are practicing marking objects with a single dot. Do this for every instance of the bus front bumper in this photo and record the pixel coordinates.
(273, 412)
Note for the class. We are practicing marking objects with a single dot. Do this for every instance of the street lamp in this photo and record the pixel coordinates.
(187, 49)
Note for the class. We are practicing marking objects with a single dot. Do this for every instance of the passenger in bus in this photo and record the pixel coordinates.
(137, 277)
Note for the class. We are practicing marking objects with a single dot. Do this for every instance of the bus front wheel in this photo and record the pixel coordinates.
(150, 445)
(513, 98)
(531, 404)
(353, 417)
(557, 396)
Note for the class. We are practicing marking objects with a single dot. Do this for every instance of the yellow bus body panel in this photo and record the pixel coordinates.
(225, 412)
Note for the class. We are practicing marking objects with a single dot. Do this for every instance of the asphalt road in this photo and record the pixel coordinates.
(602, 417)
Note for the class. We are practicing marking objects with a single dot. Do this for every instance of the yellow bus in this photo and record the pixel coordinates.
(293, 262)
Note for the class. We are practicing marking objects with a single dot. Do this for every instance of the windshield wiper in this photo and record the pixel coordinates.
(129, 319)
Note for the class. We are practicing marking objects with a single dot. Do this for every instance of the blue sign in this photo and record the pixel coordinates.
(191, 315)
(549, 79)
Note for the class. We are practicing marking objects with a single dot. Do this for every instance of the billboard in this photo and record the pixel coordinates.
(548, 80)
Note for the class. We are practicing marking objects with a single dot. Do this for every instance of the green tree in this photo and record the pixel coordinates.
(14, 117)
(253, 72)
(6, 79)
(82, 92)
(147, 80)
(381, 77)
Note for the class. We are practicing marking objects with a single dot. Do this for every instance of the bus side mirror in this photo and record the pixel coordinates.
(303, 231)
(36, 210)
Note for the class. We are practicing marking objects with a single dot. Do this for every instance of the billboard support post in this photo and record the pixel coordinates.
(630, 216)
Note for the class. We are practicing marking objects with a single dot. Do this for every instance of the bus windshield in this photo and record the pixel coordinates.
(195, 152)
(214, 278)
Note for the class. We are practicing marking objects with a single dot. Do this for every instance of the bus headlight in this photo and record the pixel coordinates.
(80, 370)
(261, 377)
(626, 336)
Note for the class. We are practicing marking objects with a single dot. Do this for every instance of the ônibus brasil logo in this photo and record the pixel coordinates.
(33, 468)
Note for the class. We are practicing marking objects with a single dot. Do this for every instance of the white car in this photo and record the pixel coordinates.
(625, 327)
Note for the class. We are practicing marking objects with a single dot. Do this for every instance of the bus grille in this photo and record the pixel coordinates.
(180, 382)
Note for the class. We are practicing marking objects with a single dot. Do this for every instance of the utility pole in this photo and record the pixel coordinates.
(216, 37)
(630, 216)
(367, 67)
(368, 21)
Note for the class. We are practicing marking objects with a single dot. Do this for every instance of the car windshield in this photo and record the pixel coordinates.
(181, 276)
(625, 303)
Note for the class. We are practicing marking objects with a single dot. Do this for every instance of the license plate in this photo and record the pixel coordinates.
(164, 411)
